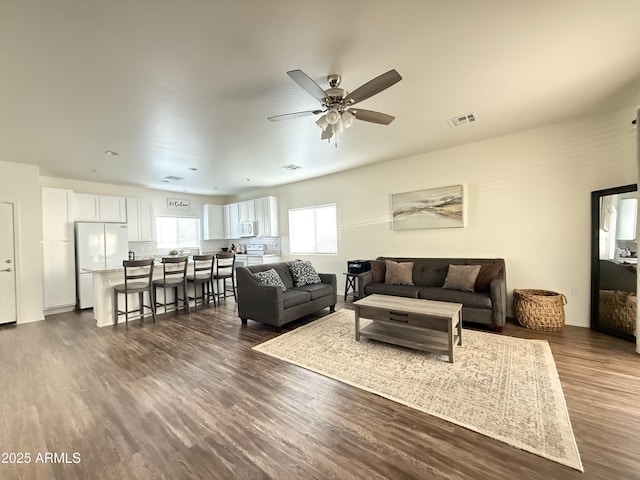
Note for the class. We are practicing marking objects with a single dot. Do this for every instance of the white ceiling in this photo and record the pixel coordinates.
(178, 84)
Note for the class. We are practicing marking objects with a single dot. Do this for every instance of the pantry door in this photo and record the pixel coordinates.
(7, 265)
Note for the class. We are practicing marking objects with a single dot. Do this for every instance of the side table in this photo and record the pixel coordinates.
(351, 283)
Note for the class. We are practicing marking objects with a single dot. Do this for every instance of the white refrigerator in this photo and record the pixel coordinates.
(98, 246)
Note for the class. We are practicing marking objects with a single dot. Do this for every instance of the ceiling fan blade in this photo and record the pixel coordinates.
(287, 116)
(327, 133)
(307, 83)
(373, 87)
(373, 117)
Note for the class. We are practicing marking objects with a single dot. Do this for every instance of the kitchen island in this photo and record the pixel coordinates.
(104, 279)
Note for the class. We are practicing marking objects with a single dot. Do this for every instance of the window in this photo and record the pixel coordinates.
(178, 232)
(313, 230)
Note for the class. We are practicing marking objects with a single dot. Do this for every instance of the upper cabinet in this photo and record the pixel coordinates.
(57, 214)
(140, 220)
(267, 216)
(246, 211)
(230, 221)
(627, 217)
(263, 211)
(86, 207)
(213, 225)
(99, 208)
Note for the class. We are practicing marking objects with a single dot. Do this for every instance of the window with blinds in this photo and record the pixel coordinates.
(177, 232)
(313, 230)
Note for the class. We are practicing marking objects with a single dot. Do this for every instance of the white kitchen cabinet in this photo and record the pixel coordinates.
(246, 211)
(113, 209)
(266, 209)
(230, 221)
(140, 220)
(627, 217)
(86, 207)
(213, 224)
(99, 208)
(58, 250)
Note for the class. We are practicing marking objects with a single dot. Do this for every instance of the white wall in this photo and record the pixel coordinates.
(527, 201)
(19, 184)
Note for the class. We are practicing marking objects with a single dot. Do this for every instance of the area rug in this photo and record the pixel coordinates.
(503, 387)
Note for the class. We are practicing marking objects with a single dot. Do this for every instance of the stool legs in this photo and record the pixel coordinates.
(140, 310)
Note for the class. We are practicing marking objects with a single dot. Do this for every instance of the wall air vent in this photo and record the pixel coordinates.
(173, 177)
(462, 120)
(291, 166)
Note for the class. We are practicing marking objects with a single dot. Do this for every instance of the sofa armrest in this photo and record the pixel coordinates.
(331, 279)
(498, 289)
(257, 301)
(364, 279)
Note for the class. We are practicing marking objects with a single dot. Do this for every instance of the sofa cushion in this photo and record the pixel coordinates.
(317, 291)
(398, 273)
(281, 268)
(295, 296)
(270, 277)
(410, 291)
(467, 299)
(461, 277)
(303, 273)
(488, 273)
(378, 271)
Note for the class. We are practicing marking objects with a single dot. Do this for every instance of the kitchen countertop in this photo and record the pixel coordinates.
(119, 268)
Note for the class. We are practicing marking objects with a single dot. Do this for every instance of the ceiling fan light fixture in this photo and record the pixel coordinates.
(347, 118)
(339, 126)
(322, 122)
(333, 116)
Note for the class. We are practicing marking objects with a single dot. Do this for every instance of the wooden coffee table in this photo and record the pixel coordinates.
(411, 322)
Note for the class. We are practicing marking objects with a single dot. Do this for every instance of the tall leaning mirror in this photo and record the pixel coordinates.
(614, 260)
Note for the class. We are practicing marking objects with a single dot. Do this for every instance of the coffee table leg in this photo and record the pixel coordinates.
(450, 335)
(357, 324)
(460, 327)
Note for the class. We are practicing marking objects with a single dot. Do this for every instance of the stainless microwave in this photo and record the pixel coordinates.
(248, 229)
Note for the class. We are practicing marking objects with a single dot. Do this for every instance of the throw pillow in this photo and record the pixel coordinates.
(461, 277)
(378, 271)
(398, 273)
(270, 277)
(488, 273)
(303, 273)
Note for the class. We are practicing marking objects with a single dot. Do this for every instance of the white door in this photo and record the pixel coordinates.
(7, 265)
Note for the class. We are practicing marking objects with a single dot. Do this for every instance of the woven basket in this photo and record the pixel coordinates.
(539, 309)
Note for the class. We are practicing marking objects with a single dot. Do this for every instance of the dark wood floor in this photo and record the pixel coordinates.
(188, 398)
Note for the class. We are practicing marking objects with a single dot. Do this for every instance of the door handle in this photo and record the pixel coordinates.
(8, 260)
(6, 270)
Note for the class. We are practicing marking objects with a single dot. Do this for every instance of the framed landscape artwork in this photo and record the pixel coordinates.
(433, 208)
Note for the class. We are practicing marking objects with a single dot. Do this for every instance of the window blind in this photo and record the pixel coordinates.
(313, 230)
(177, 232)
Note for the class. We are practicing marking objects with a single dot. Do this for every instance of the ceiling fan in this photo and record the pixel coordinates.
(336, 103)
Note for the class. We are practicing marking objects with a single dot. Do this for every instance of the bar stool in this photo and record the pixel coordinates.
(138, 275)
(174, 276)
(225, 269)
(203, 276)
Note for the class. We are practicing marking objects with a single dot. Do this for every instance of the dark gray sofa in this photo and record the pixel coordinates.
(428, 277)
(270, 305)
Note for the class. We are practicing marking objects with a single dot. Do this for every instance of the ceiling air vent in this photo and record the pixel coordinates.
(462, 120)
(291, 166)
(173, 177)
